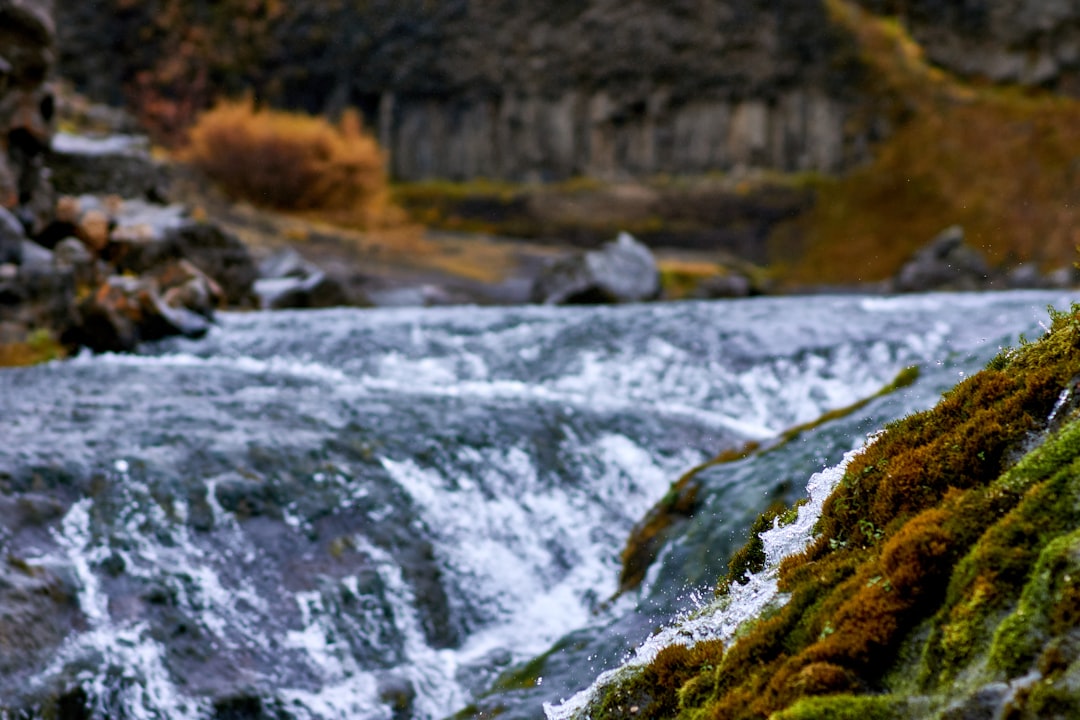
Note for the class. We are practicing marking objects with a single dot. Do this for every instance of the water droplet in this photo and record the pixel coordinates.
(121, 466)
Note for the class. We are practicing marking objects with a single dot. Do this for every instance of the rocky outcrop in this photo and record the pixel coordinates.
(108, 165)
(545, 91)
(56, 258)
(1005, 41)
(27, 39)
(143, 236)
(124, 311)
(948, 263)
(621, 271)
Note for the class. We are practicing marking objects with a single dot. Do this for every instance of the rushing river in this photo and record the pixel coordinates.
(389, 513)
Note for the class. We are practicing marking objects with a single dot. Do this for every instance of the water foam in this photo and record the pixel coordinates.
(721, 618)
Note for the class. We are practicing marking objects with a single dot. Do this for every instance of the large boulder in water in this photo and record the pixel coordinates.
(619, 272)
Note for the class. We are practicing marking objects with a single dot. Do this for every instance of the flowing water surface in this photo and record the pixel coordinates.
(390, 513)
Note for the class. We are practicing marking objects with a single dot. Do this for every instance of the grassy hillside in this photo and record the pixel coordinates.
(1003, 163)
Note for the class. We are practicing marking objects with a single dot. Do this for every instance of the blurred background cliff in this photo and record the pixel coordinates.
(424, 152)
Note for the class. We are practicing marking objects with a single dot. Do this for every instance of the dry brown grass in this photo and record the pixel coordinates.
(294, 162)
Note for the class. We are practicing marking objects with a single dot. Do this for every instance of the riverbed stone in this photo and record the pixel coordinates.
(621, 271)
(290, 281)
(945, 263)
(109, 164)
(124, 311)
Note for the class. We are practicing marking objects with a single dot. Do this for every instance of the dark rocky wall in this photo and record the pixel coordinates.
(1029, 42)
(27, 38)
(509, 89)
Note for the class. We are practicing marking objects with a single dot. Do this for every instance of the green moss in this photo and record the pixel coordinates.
(680, 501)
(1049, 596)
(953, 538)
(654, 690)
(847, 707)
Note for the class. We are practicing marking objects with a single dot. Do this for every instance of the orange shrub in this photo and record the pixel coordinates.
(292, 161)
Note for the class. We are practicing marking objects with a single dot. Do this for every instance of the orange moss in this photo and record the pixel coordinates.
(935, 488)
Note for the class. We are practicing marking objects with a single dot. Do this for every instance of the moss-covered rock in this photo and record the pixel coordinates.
(944, 578)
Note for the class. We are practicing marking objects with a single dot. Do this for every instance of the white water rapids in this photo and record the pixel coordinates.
(399, 514)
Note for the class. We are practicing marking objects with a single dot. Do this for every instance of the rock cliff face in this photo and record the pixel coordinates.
(499, 88)
(27, 37)
(1028, 42)
(601, 88)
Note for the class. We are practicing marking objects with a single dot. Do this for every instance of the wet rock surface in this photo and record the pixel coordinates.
(621, 271)
(38, 610)
(289, 281)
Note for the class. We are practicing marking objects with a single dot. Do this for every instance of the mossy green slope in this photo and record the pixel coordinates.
(944, 575)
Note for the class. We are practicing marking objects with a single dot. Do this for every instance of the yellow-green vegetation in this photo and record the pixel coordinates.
(678, 212)
(680, 501)
(40, 346)
(947, 559)
(1000, 162)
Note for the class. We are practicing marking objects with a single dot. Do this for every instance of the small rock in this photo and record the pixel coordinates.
(622, 271)
(1063, 278)
(946, 263)
(318, 290)
(125, 311)
(36, 260)
(284, 264)
(11, 237)
(93, 230)
(290, 281)
(1024, 276)
(71, 255)
(185, 286)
